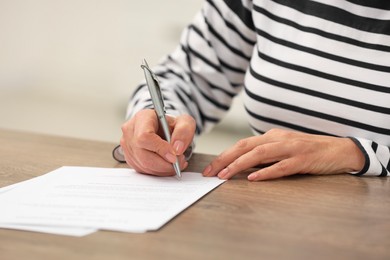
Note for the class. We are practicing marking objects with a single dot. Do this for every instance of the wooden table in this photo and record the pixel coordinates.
(300, 217)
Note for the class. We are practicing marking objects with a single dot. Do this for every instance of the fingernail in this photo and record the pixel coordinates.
(252, 177)
(207, 171)
(222, 174)
(179, 147)
(170, 157)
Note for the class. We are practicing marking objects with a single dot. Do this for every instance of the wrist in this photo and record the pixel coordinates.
(356, 158)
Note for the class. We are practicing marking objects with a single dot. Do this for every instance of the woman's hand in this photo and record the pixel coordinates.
(287, 153)
(144, 147)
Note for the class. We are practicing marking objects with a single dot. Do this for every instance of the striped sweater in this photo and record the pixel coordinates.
(320, 67)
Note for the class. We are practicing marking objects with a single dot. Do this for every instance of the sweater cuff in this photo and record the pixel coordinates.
(366, 158)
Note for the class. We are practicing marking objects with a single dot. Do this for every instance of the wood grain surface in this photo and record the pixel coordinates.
(299, 217)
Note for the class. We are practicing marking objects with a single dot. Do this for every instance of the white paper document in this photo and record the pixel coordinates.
(66, 231)
(101, 198)
(69, 231)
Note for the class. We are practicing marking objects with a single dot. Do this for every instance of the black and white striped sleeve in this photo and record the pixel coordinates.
(377, 158)
(205, 72)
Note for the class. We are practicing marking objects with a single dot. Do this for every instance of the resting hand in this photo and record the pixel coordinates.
(287, 153)
(146, 150)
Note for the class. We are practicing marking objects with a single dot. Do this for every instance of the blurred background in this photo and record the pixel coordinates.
(67, 67)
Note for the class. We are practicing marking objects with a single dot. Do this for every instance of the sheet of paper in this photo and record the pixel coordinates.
(102, 198)
(67, 231)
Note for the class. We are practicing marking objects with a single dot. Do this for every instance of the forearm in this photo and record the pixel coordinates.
(205, 72)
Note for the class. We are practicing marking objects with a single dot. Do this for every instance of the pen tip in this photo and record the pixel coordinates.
(177, 170)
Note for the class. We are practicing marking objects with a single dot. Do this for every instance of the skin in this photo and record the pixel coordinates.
(284, 152)
(146, 151)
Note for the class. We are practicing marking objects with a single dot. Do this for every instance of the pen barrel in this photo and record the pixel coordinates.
(158, 102)
(165, 127)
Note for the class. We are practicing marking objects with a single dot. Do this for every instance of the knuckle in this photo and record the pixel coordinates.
(186, 123)
(218, 160)
(241, 144)
(191, 120)
(186, 117)
(296, 143)
(279, 132)
(259, 150)
(192, 123)
(143, 138)
(160, 150)
(282, 166)
(124, 127)
(140, 114)
(273, 131)
(301, 145)
(237, 164)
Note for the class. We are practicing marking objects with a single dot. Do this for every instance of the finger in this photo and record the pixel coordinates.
(140, 132)
(126, 144)
(147, 139)
(135, 145)
(182, 162)
(183, 133)
(230, 155)
(127, 155)
(144, 161)
(262, 154)
(143, 121)
(280, 169)
(151, 163)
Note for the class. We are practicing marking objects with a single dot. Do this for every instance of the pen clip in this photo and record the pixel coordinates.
(145, 65)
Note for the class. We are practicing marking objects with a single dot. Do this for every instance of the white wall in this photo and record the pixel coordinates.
(67, 67)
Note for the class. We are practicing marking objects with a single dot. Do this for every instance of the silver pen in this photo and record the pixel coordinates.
(159, 108)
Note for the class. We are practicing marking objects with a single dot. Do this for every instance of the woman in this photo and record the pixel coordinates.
(316, 82)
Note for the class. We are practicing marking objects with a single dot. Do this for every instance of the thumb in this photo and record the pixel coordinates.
(183, 133)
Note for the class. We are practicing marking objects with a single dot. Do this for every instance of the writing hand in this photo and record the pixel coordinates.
(144, 147)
